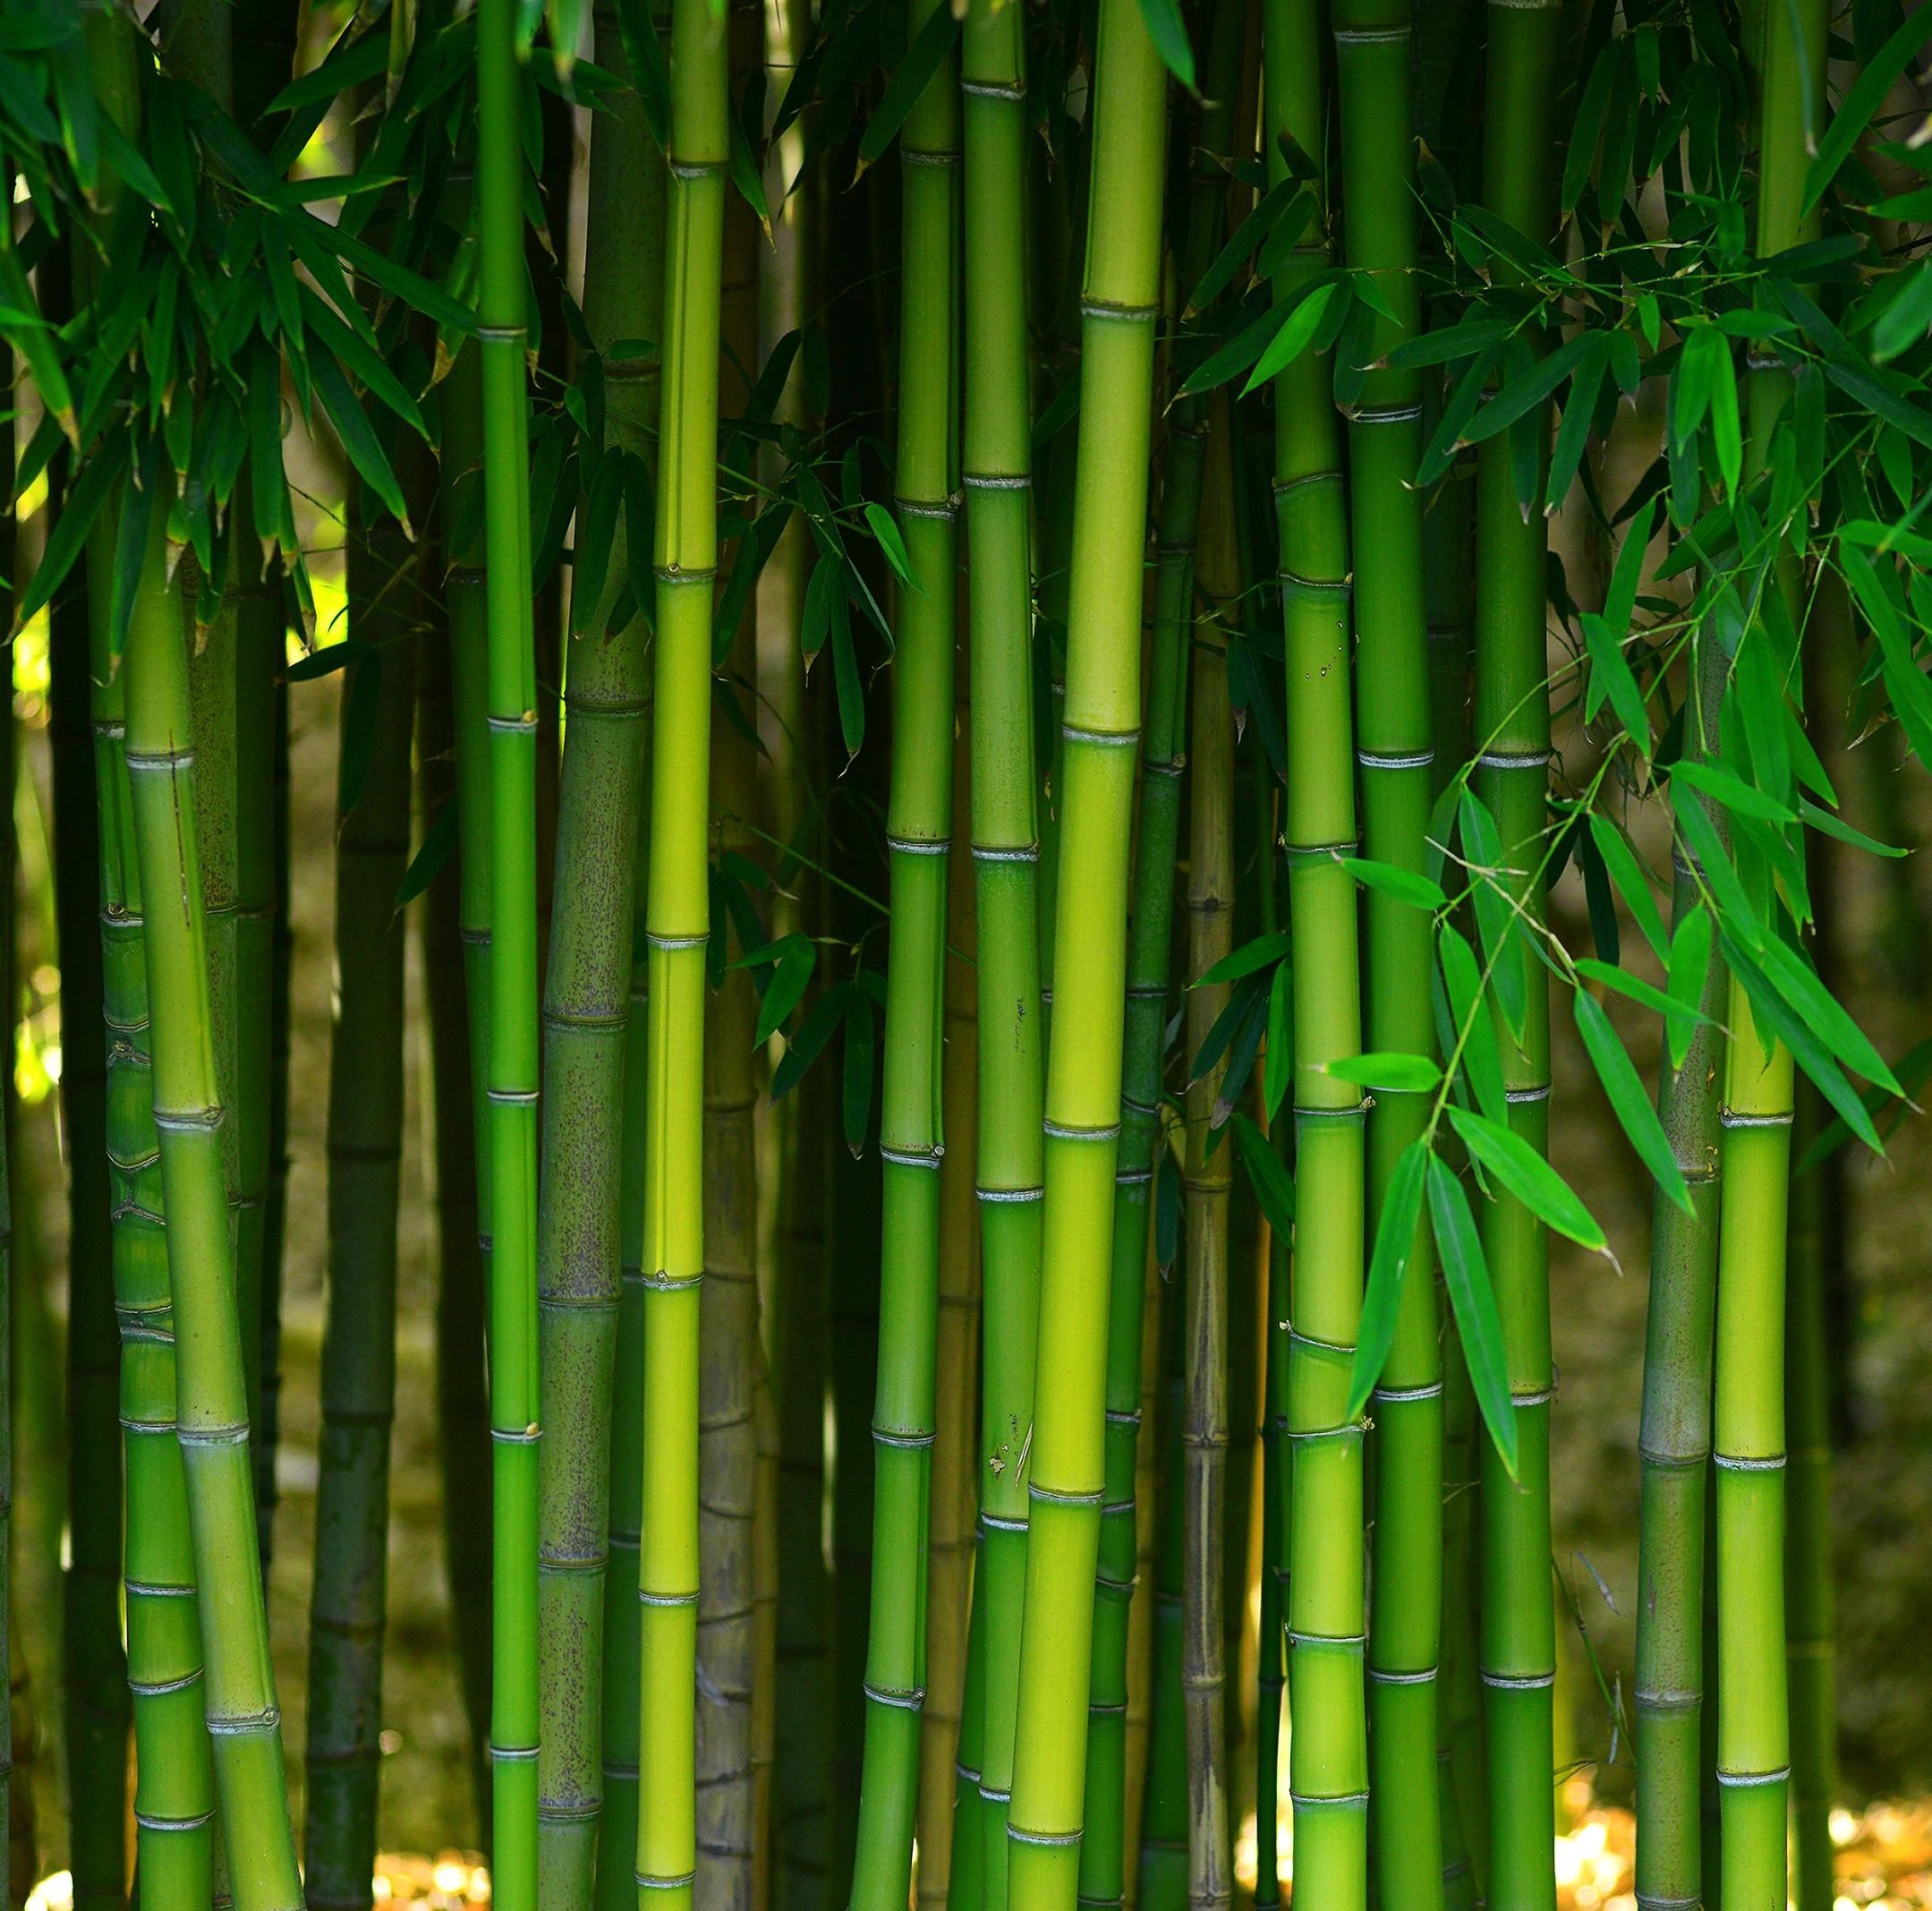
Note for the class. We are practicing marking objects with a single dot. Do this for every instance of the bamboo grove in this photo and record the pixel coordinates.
(1025, 666)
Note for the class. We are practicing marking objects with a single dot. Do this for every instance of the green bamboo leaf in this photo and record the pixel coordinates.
(1690, 960)
(1299, 328)
(1865, 97)
(808, 1043)
(1495, 912)
(351, 62)
(1397, 1238)
(1530, 390)
(929, 47)
(432, 855)
(99, 477)
(1466, 1274)
(1243, 1046)
(1529, 1178)
(1259, 223)
(1389, 1070)
(1579, 411)
(1588, 125)
(1624, 1087)
(1713, 864)
(1261, 952)
(846, 679)
(892, 543)
(1267, 1176)
(1406, 885)
(649, 71)
(1904, 320)
(1632, 884)
(1871, 537)
(793, 958)
(1277, 1069)
(1169, 33)
(1914, 1070)
(352, 425)
(1740, 797)
(1830, 824)
(1610, 677)
(596, 529)
(1482, 1058)
(1451, 343)
(855, 1096)
(1815, 1005)
(1635, 987)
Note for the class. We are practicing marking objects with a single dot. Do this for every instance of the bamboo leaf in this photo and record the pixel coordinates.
(1406, 885)
(1261, 953)
(1389, 1070)
(1740, 797)
(1628, 873)
(1267, 1176)
(1647, 993)
(892, 543)
(1799, 984)
(99, 476)
(649, 72)
(1610, 677)
(1466, 1274)
(1866, 96)
(808, 1043)
(930, 45)
(793, 961)
(856, 1096)
(1277, 1068)
(1495, 912)
(1830, 824)
(1690, 960)
(1482, 1059)
(1397, 1238)
(1169, 33)
(1914, 1070)
(432, 855)
(1299, 328)
(351, 424)
(1624, 1087)
(1529, 1178)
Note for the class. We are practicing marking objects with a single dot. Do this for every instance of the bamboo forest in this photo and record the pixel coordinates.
(966, 955)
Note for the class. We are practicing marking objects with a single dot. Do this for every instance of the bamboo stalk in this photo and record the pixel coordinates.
(212, 1405)
(1162, 1871)
(585, 1017)
(1208, 1180)
(1753, 1722)
(911, 1135)
(673, 1259)
(1102, 716)
(1517, 1649)
(1674, 1442)
(965, 1874)
(1372, 43)
(1005, 826)
(1328, 1758)
(365, 1135)
(951, 1545)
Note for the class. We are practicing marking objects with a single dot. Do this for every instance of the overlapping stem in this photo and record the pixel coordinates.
(677, 930)
(1371, 46)
(1328, 1770)
(1011, 1047)
(918, 831)
(1208, 1180)
(586, 1015)
(512, 1072)
(211, 1388)
(365, 1140)
(1518, 1649)
(1101, 723)
(1753, 1723)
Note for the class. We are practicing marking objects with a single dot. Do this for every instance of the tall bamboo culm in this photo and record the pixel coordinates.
(587, 1013)
(678, 922)
(918, 832)
(1328, 1771)
(1753, 1721)
(365, 1138)
(512, 1002)
(1005, 834)
(1208, 1180)
(1101, 731)
(1674, 1439)
(1394, 737)
(211, 1389)
(1517, 1648)
(1103, 1846)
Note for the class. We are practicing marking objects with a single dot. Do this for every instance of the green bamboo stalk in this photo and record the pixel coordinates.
(1156, 1316)
(212, 1402)
(686, 556)
(1674, 1441)
(1809, 1649)
(911, 1136)
(1104, 1849)
(1162, 1884)
(586, 1015)
(1277, 1526)
(1209, 1177)
(1328, 1771)
(1753, 1722)
(512, 1074)
(951, 1545)
(365, 1138)
(1101, 726)
(274, 1193)
(1005, 825)
(1371, 46)
(96, 1661)
(1518, 1649)
(966, 1875)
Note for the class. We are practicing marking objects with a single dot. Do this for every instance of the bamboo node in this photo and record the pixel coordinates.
(1387, 1394)
(1113, 312)
(1106, 739)
(1649, 1901)
(237, 1436)
(992, 1793)
(1747, 1778)
(943, 508)
(895, 1437)
(1001, 1523)
(1518, 1681)
(1519, 1098)
(673, 943)
(1514, 759)
(1379, 1677)
(918, 845)
(904, 1702)
(1006, 852)
(1020, 1836)
(913, 1158)
(1010, 1194)
(1319, 852)
(1055, 1496)
(155, 1822)
(646, 1882)
(1738, 1462)
(994, 89)
(188, 1121)
(513, 1097)
(1771, 1118)
(1411, 760)
(666, 1598)
(1062, 1132)
(156, 1688)
(1347, 1801)
(1296, 585)
(241, 1725)
(1016, 481)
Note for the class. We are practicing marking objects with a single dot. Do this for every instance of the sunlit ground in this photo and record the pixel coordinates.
(452, 1881)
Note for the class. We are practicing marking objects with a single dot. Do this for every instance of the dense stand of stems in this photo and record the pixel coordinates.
(211, 1403)
(1674, 1439)
(1209, 1177)
(1385, 435)
(1101, 731)
(512, 1001)
(678, 919)
(1753, 1762)
(1518, 1649)
(365, 1140)
(998, 457)
(586, 1014)
(911, 1139)
(1328, 1767)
